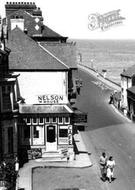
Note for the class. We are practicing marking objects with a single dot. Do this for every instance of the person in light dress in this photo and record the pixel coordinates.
(110, 168)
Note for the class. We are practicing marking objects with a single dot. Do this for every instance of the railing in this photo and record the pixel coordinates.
(99, 74)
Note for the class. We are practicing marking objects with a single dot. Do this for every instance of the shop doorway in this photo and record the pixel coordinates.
(51, 140)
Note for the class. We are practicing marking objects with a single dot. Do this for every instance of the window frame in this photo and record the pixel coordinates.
(37, 131)
(63, 128)
(55, 120)
(68, 120)
(41, 123)
(28, 123)
(6, 94)
(46, 121)
(59, 120)
(33, 123)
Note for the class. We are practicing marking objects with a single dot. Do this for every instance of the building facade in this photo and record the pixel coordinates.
(45, 89)
(8, 106)
(28, 17)
(131, 102)
(127, 81)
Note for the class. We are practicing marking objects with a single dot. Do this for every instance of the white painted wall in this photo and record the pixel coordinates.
(125, 83)
(17, 22)
(33, 84)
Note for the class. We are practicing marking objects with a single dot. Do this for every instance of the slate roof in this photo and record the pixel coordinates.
(48, 32)
(26, 54)
(130, 72)
(26, 108)
(66, 52)
(30, 24)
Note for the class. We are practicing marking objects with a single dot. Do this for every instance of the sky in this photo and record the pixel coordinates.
(70, 17)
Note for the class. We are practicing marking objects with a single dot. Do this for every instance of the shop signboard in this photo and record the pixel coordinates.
(51, 99)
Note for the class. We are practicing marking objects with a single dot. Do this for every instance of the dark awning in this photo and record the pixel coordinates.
(79, 117)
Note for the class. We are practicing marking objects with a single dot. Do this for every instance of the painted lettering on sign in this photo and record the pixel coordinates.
(70, 134)
(50, 99)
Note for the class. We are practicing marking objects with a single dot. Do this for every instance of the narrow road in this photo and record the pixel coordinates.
(107, 131)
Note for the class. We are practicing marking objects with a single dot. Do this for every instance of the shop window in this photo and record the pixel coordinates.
(63, 132)
(60, 120)
(54, 119)
(34, 120)
(26, 132)
(35, 132)
(47, 119)
(41, 120)
(28, 120)
(67, 120)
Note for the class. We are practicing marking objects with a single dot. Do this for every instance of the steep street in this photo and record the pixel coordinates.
(107, 131)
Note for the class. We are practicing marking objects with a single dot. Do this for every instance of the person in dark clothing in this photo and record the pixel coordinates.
(111, 99)
(102, 162)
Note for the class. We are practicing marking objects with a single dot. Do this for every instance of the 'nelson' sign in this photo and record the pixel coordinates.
(50, 99)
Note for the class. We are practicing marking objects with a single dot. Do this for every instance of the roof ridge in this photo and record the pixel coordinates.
(21, 10)
(13, 13)
(44, 65)
(31, 14)
(52, 55)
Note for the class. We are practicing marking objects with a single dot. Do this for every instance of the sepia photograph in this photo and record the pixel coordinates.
(67, 95)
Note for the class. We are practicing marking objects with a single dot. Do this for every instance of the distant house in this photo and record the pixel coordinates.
(127, 81)
(131, 102)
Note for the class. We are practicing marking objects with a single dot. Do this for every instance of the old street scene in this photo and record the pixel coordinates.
(61, 110)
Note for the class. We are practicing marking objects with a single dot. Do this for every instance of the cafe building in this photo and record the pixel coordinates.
(28, 18)
(46, 87)
(45, 120)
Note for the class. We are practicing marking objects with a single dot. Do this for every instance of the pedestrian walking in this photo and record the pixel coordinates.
(102, 162)
(78, 90)
(111, 99)
(110, 168)
(16, 165)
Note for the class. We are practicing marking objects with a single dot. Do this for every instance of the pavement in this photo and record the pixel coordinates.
(82, 160)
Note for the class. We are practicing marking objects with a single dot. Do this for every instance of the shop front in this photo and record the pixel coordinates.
(46, 129)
